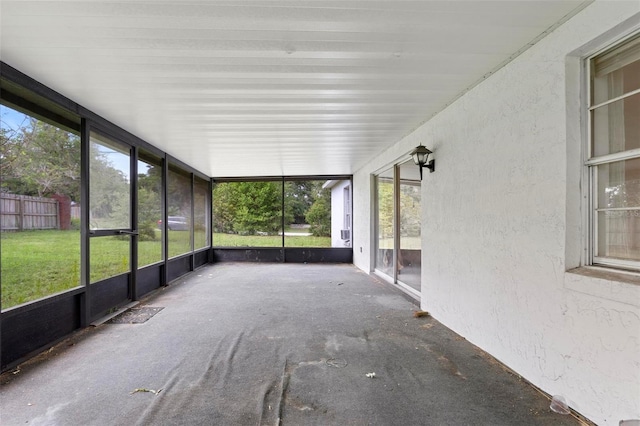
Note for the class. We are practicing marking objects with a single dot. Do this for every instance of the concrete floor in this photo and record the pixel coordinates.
(249, 344)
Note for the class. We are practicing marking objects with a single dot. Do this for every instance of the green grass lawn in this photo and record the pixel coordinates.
(233, 240)
(35, 264)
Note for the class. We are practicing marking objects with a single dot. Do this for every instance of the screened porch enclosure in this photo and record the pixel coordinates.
(286, 219)
(122, 218)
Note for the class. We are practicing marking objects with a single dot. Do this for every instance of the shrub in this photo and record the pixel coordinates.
(319, 217)
(147, 231)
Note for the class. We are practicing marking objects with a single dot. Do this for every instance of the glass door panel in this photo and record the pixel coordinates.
(149, 209)
(385, 223)
(44, 259)
(247, 214)
(409, 255)
(307, 214)
(108, 257)
(109, 208)
(109, 184)
(179, 223)
(200, 213)
(398, 210)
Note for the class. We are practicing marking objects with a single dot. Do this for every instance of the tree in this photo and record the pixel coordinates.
(319, 217)
(259, 208)
(299, 196)
(40, 159)
(409, 210)
(149, 211)
(225, 204)
(10, 150)
(385, 208)
(149, 196)
(247, 208)
(179, 194)
(110, 191)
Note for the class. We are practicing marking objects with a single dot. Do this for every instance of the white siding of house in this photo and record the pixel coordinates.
(502, 223)
(337, 213)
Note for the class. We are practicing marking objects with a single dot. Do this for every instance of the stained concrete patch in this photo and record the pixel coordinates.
(136, 315)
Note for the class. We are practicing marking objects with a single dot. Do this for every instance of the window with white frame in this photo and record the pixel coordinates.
(347, 208)
(614, 155)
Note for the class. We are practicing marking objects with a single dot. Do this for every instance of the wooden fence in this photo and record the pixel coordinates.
(22, 212)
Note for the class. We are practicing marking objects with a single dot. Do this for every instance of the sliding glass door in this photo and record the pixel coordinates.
(409, 212)
(385, 224)
(398, 226)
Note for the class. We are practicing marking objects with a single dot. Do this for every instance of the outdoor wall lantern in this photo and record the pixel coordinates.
(420, 156)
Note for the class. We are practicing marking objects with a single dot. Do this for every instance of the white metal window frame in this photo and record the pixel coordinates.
(592, 163)
(376, 225)
(346, 194)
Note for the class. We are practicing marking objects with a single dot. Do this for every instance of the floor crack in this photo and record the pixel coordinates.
(284, 385)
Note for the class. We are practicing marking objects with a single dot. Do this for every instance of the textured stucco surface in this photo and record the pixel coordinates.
(502, 223)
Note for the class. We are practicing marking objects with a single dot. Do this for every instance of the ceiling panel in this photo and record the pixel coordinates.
(262, 88)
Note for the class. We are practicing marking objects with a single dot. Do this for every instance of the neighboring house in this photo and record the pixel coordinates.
(340, 212)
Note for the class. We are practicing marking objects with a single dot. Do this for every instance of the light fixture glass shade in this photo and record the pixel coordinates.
(420, 155)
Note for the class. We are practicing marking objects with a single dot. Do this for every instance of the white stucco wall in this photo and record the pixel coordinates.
(503, 223)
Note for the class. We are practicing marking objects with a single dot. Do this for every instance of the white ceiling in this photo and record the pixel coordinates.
(268, 88)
